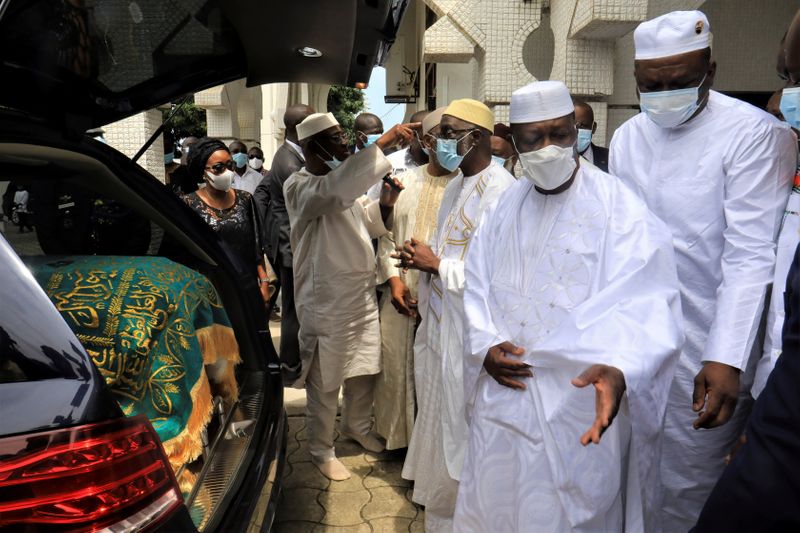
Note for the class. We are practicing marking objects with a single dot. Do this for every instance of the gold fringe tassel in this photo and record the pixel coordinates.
(187, 445)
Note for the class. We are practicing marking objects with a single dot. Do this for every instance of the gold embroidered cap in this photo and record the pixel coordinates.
(471, 111)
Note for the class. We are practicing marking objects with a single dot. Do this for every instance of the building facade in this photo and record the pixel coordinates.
(485, 49)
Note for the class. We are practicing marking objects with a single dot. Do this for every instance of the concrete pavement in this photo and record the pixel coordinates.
(375, 499)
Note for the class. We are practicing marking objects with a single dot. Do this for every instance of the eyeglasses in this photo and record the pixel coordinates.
(255, 156)
(453, 134)
(219, 168)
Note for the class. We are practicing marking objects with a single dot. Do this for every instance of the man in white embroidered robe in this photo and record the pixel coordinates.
(414, 215)
(718, 172)
(334, 270)
(436, 451)
(570, 282)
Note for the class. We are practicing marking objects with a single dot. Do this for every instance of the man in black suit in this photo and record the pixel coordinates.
(272, 208)
(584, 120)
(760, 488)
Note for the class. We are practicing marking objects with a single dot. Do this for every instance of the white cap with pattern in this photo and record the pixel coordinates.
(672, 34)
(314, 124)
(540, 100)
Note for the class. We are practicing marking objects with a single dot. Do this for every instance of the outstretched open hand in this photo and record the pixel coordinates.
(609, 385)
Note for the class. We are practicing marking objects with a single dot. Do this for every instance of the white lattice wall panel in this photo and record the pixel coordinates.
(606, 19)
(586, 66)
(444, 43)
(130, 134)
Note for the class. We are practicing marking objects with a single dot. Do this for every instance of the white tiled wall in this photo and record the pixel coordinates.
(130, 134)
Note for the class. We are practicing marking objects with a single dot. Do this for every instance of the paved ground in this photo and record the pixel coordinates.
(376, 498)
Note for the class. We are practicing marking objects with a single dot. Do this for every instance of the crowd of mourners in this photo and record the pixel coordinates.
(608, 341)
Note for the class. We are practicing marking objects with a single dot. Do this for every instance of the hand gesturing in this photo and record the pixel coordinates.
(609, 384)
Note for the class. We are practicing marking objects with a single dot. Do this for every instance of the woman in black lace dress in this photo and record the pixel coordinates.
(231, 213)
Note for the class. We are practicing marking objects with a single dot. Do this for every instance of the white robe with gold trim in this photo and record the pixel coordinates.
(437, 447)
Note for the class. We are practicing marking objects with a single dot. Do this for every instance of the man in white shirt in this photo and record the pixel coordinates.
(246, 178)
(718, 172)
(332, 225)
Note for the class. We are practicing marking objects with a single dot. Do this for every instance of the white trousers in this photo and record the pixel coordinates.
(321, 410)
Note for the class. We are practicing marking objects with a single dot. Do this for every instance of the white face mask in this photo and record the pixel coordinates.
(221, 182)
(671, 108)
(550, 167)
(256, 163)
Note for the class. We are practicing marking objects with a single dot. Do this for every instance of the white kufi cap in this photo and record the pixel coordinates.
(540, 100)
(314, 124)
(672, 34)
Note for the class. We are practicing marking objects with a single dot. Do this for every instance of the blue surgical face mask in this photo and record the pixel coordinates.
(671, 108)
(332, 162)
(240, 159)
(499, 160)
(447, 153)
(169, 158)
(790, 106)
(584, 139)
(371, 138)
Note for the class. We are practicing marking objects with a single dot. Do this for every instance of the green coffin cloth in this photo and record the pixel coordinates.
(150, 325)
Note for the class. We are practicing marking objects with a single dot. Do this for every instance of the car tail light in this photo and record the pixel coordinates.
(111, 475)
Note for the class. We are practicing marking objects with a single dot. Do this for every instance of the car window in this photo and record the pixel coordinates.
(116, 45)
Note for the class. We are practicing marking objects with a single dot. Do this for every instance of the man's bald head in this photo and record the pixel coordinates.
(366, 124)
(237, 147)
(584, 116)
(293, 116)
(419, 116)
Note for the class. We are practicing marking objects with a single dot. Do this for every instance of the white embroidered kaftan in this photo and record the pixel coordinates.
(414, 215)
(332, 227)
(578, 278)
(720, 182)
(438, 442)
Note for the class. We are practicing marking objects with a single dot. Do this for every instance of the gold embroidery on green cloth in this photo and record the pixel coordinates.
(145, 321)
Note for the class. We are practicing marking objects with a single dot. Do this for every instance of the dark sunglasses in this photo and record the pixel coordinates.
(219, 168)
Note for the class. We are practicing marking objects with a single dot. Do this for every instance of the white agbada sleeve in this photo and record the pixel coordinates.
(339, 189)
(757, 183)
(632, 321)
(373, 220)
(480, 333)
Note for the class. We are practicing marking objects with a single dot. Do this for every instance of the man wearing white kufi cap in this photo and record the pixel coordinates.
(414, 216)
(718, 172)
(572, 334)
(332, 225)
(436, 451)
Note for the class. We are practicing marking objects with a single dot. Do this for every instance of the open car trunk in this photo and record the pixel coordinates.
(86, 63)
(159, 306)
